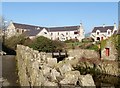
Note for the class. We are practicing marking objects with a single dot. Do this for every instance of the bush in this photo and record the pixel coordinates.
(44, 44)
(86, 40)
(13, 41)
(71, 41)
(93, 47)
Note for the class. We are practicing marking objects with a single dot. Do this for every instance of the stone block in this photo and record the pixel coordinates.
(86, 80)
(51, 62)
(71, 78)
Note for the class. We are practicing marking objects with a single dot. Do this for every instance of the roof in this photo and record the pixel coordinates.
(67, 28)
(103, 29)
(32, 32)
(26, 26)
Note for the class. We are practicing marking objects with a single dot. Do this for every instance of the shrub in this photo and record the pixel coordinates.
(86, 40)
(44, 44)
(13, 41)
(71, 41)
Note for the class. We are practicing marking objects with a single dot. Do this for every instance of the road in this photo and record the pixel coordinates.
(9, 72)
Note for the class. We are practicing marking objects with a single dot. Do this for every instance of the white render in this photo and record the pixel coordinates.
(103, 35)
(44, 33)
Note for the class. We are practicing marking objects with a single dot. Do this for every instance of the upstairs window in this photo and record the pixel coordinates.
(58, 33)
(108, 32)
(98, 33)
(76, 32)
(51, 33)
(45, 32)
(66, 33)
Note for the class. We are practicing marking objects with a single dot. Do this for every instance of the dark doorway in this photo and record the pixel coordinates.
(98, 38)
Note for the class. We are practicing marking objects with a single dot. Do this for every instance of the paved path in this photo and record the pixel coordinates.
(9, 73)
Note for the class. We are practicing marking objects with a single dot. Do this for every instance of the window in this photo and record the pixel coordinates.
(58, 38)
(75, 37)
(75, 32)
(58, 33)
(45, 32)
(17, 30)
(66, 33)
(108, 32)
(22, 31)
(66, 38)
(97, 33)
(51, 33)
(101, 38)
(98, 38)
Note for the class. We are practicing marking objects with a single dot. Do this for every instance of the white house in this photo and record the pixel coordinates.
(103, 32)
(54, 33)
(66, 33)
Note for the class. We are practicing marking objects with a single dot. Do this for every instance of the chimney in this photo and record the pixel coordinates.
(80, 24)
(103, 25)
(114, 24)
(115, 27)
(38, 28)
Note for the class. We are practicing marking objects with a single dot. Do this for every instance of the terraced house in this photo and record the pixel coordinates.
(54, 33)
(103, 32)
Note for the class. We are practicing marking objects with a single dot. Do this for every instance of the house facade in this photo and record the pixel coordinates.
(67, 33)
(54, 33)
(103, 32)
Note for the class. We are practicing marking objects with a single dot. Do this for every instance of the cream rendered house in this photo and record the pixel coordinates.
(103, 32)
(54, 33)
(66, 33)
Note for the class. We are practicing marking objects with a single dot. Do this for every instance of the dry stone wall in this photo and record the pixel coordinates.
(37, 69)
(79, 53)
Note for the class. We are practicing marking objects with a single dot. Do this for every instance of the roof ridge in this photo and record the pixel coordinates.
(26, 24)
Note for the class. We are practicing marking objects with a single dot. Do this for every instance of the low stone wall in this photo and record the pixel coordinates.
(36, 69)
(109, 67)
(79, 53)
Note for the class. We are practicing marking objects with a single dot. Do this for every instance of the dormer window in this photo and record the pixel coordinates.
(98, 33)
(45, 32)
(108, 32)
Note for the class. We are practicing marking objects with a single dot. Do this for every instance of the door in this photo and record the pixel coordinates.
(107, 51)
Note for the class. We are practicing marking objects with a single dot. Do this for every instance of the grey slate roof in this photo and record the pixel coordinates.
(32, 32)
(67, 28)
(26, 26)
(103, 29)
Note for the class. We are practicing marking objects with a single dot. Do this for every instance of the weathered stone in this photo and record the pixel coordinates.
(86, 80)
(46, 70)
(65, 68)
(78, 53)
(54, 74)
(42, 71)
(49, 84)
(51, 62)
(70, 78)
(70, 58)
